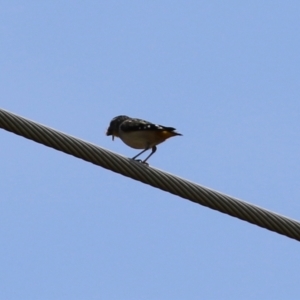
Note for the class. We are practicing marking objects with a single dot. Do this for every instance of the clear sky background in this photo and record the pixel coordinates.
(226, 74)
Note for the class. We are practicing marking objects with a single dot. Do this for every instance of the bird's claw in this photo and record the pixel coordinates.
(141, 161)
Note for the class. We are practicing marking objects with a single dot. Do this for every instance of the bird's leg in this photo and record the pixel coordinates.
(152, 152)
(140, 153)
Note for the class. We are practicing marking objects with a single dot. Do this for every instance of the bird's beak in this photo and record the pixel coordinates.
(110, 132)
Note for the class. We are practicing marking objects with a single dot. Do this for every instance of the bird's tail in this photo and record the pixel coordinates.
(170, 131)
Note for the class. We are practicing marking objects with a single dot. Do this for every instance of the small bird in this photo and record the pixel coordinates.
(139, 134)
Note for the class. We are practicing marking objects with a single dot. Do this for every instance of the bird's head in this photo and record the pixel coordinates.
(113, 128)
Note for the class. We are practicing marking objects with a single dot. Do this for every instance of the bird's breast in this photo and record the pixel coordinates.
(141, 139)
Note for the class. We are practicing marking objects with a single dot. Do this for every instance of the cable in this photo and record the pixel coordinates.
(149, 175)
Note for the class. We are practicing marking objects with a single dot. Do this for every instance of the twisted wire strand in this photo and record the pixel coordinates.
(149, 175)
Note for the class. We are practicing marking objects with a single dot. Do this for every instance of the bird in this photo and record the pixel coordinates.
(139, 134)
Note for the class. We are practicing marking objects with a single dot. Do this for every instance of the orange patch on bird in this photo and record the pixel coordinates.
(167, 134)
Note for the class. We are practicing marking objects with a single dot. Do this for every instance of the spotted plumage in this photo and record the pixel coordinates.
(139, 134)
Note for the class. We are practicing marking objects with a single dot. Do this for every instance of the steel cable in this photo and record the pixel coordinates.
(149, 175)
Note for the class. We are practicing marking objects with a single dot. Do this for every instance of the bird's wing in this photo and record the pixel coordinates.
(142, 125)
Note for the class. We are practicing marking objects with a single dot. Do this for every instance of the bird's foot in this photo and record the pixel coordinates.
(138, 160)
(141, 161)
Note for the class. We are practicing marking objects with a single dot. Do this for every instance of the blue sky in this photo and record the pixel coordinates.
(225, 74)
